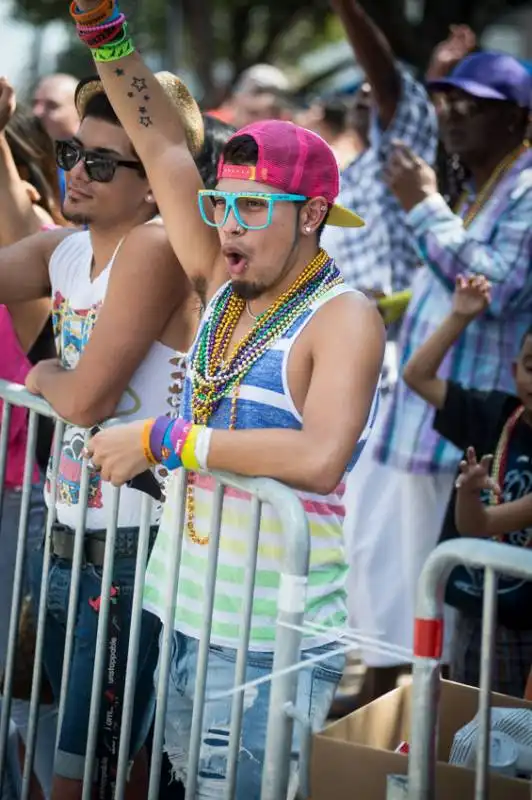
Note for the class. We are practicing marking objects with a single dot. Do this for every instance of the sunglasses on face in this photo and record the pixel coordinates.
(98, 166)
(460, 106)
(252, 210)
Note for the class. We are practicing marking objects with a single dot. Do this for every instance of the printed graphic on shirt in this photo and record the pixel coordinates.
(72, 328)
(70, 473)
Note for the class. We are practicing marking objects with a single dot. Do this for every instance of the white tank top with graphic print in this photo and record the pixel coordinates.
(153, 390)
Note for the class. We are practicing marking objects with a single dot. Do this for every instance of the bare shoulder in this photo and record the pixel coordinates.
(151, 234)
(146, 259)
(349, 316)
(148, 249)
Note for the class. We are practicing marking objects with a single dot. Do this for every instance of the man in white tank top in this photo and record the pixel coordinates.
(124, 315)
(299, 419)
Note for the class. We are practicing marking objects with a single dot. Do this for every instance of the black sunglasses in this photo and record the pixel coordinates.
(98, 166)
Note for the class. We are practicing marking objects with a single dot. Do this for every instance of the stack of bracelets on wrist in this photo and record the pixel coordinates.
(176, 443)
(104, 30)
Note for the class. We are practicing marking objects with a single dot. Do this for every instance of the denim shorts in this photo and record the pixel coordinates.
(316, 689)
(70, 759)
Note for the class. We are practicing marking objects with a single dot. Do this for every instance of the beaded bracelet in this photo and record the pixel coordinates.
(104, 11)
(146, 449)
(158, 430)
(109, 52)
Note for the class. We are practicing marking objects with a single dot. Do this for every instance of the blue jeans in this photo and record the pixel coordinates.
(70, 759)
(316, 688)
(8, 550)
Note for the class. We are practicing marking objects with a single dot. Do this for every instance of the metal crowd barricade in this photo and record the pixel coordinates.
(293, 582)
(494, 558)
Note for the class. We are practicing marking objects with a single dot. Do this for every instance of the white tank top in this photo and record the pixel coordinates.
(153, 390)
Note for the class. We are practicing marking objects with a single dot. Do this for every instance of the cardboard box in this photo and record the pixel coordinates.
(353, 757)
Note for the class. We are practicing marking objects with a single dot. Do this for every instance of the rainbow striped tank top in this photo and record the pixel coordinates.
(264, 402)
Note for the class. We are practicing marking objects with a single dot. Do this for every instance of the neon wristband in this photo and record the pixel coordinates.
(110, 23)
(101, 13)
(203, 443)
(148, 455)
(188, 453)
(109, 53)
(105, 38)
(173, 443)
(158, 430)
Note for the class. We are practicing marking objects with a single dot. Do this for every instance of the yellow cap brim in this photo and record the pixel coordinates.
(341, 217)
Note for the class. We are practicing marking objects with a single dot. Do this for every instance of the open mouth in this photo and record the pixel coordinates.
(236, 262)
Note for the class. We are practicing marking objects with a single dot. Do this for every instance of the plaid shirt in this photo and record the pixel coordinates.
(382, 255)
(497, 244)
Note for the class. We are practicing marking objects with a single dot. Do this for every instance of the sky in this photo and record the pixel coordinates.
(16, 41)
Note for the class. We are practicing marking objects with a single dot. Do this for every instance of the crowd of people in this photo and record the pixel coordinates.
(217, 279)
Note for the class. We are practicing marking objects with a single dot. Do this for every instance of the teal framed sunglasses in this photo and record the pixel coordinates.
(252, 210)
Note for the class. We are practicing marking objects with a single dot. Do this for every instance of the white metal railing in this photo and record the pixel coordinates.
(276, 768)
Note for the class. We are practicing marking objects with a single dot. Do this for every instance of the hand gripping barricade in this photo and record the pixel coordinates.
(428, 641)
(276, 768)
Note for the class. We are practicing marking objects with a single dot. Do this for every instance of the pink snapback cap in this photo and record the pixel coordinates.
(296, 161)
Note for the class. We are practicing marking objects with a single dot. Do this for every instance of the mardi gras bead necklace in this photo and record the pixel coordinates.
(487, 190)
(500, 460)
(216, 374)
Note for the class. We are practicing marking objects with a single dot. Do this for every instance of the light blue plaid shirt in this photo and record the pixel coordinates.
(497, 244)
(382, 255)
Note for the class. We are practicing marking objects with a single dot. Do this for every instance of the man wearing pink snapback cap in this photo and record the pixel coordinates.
(281, 383)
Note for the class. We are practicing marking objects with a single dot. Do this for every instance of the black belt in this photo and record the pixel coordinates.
(126, 543)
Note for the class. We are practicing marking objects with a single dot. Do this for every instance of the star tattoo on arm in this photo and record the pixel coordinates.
(145, 120)
(139, 84)
(119, 72)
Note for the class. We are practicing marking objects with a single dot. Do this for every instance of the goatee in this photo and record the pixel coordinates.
(81, 220)
(248, 291)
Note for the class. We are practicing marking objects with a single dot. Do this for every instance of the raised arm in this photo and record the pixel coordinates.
(152, 123)
(471, 298)
(19, 217)
(145, 287)
(374, 55)
(447, 54)
(446, 246)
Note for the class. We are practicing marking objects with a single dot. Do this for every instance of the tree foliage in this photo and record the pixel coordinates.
(242, 32)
